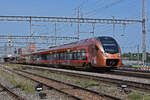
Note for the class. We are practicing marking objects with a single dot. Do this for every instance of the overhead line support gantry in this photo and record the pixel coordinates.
(66, 19)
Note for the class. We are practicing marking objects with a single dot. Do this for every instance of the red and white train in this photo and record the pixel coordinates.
(98, 52)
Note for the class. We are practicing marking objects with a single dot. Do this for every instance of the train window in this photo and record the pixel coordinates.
(79, 57)
(83, 51)
(75, 57)
(64, 56)
(26, 57)
(67, 55)
(44, 56)
(60, 56)
(37, 57)
(31, 57)
(70, 55)
(48, 56)
(52, 57)
(57, 56)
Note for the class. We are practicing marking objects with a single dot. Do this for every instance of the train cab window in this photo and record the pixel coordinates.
(109, 44)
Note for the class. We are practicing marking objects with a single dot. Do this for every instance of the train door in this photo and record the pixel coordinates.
(94, 55)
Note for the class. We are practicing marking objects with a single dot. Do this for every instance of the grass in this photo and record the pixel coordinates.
(26, 85)
(87, 83)
(16, 66)
(134, 96)
(46, 72)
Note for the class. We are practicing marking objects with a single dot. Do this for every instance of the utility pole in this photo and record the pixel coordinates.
(138, 55)
(124, 28)
(113, 26)
(78, 23)
(30, 30)
(5, 49)
(55, 33)
(9, 52)
(30, 25)
(93, 27)
(144, 34)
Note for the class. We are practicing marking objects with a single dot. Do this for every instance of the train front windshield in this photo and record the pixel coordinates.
(109, 45)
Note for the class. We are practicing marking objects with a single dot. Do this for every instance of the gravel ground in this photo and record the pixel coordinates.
(123, 78)
(107, 88)
(50, 93)
(4, 95)
(141, 80)
(101, 87)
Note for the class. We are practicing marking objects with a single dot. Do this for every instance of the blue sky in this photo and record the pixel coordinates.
(121, 9)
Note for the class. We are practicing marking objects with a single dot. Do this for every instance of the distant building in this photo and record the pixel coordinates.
(31, 48)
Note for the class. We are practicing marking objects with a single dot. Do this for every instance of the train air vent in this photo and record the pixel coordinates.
(112, 62)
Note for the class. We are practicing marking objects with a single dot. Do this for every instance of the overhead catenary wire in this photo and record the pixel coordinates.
(90, 13)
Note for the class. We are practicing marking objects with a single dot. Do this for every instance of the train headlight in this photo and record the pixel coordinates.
(105, 54)
(119, 55)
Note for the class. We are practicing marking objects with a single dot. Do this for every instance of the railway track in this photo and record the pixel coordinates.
(132, 82)
(138, 74)
(119, 71)
(13, 94)
(133, 70)
(73, 91)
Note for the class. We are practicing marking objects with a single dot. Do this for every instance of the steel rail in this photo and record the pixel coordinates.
(37, 81)
(134, 70)
(139, 74)
(74, 86)
(11, 93)
(131, 84)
